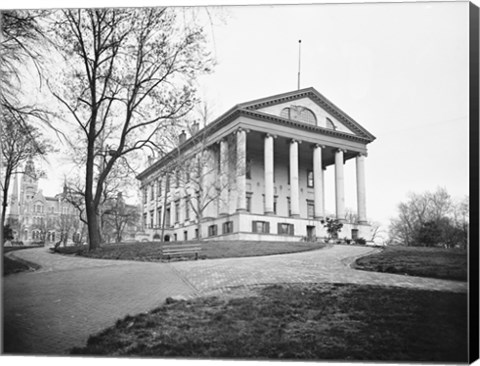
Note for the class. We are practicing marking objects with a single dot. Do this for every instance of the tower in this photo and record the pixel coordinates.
(29, 184)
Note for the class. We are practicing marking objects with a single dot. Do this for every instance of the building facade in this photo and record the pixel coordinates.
(38, 219)
(257, 173)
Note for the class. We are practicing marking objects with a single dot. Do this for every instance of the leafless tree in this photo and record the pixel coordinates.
(132, 72)
(430, 218)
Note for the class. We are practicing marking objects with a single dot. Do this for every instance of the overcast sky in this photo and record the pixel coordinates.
(400, 70)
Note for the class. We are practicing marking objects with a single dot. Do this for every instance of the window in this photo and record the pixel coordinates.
(248, 171)
(260, 227)
(289, 205)
(177, 179)
(159, 188)
(177, 211)
(249, 202)
(145, 195)
(185, 235)
(212, 230)
(227, 227)
(144, 220)
(285, 229)
(167, 216)
(151, 219)
(310, 209)
(309, 178)
(175, 237)
(299, 113)
(330, 124)
(152, 192)
(167, 184)
(196, 233)
(187, 208)
(275, 204)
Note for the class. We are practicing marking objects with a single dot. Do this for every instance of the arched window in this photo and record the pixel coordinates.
(299, 113)
(285, 113)
(330, 124)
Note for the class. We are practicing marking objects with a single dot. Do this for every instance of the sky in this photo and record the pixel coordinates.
(398, 69)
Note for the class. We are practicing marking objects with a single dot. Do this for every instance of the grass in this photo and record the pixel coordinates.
(151, 251)
(418, 261)
(307, 322)
(11, 266)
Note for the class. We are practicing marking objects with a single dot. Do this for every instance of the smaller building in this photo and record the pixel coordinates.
(39, 219)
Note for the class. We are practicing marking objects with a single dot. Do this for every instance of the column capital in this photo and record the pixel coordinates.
(270, 135)
(319, 145)
(242, 129)
(341, 150)
(364, 154)
(292, 141)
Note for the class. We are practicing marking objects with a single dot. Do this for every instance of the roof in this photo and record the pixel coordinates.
(249, 109)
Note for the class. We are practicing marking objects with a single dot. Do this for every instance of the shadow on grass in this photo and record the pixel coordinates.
(12, 266)
(307, 322)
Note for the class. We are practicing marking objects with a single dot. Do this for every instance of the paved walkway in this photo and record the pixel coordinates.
(327, 265)
(57, 307)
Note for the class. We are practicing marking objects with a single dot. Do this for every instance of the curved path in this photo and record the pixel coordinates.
(51, 310)
(327, 265)
(57, 307)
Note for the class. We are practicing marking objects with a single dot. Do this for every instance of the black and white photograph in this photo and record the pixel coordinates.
(249, 182)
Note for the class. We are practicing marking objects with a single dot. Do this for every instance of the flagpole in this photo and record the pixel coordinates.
(299, 61)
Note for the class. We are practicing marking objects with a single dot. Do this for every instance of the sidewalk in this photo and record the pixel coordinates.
(56, 308)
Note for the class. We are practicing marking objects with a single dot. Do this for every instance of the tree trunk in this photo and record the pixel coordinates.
(4, 207)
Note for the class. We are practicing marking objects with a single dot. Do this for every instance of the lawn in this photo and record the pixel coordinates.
(418, 261)
(307, 322)
(11, 266)
(151, 251)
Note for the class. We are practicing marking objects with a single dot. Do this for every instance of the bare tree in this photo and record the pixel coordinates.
(429, 219)
(133, 69)
(19, 39)
(118, 217)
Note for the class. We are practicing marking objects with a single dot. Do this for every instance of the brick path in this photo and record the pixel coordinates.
(327, 265)
(57, 307)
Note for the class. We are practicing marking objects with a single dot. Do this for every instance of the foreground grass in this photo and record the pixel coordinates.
(418, 261)
(148, 251)
(309, 322)
(11, 266)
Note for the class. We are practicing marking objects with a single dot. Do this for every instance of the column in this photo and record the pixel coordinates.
(361, 195)
(294, 190)
(268, 168)
(318, 181)
(324, 169)
(223, 204)
(155, 203)
(241, 169)
(339, 185)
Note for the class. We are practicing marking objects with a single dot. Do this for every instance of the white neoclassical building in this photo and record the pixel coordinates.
(266, 163)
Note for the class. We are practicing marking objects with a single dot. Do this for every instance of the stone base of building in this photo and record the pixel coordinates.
(254, 227)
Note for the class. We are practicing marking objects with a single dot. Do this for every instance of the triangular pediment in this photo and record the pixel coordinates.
(310, 107)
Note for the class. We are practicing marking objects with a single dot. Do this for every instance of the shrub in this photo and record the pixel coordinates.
(361, 241)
